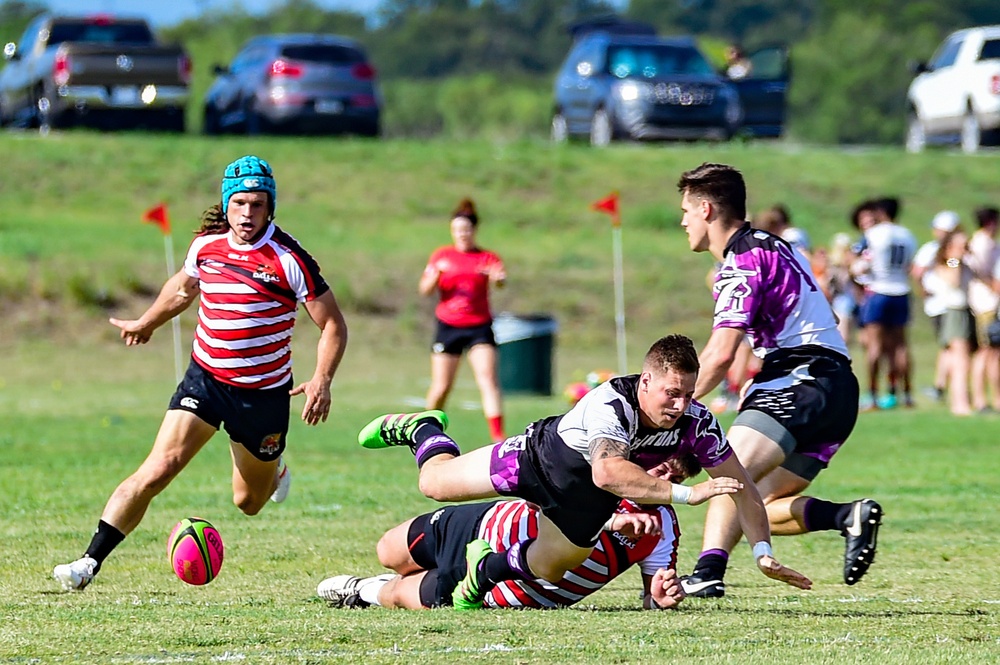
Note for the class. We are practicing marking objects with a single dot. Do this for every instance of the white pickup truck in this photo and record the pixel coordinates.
(955, 97)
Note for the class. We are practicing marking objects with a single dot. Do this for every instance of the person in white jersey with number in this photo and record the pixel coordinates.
(886, 311)
(251, 276)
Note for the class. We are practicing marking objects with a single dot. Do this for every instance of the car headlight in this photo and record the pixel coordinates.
(631, 91)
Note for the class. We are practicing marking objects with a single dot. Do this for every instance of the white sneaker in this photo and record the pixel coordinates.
(344, 590)
(77, 575)
(284, 482)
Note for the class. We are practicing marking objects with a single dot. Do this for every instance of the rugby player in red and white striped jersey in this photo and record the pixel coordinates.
(428, 552)
(251, 276)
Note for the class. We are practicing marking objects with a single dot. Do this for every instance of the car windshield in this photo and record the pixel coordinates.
(329, 54)
(99, 32)
(655, 61)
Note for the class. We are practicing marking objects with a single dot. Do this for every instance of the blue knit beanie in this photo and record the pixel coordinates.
(248, 174)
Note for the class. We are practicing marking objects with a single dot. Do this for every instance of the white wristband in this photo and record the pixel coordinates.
(680, 493)
(763, 548)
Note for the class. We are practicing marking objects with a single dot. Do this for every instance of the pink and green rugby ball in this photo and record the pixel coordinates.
(195, 551)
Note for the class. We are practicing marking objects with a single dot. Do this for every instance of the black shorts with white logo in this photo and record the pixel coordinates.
(453, 340)
(256, 419)
(806, 400)
(437, 543)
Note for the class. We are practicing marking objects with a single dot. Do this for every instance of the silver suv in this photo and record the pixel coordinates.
(299, 82)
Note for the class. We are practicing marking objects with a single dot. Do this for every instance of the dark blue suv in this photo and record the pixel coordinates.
(615, 86)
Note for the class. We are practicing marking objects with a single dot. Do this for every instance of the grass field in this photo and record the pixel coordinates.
(79, 411)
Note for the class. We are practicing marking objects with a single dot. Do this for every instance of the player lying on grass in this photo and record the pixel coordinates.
(428, 554)
(578, 466)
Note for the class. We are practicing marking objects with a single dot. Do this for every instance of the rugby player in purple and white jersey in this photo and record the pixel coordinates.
(802, 405)
(578, 466)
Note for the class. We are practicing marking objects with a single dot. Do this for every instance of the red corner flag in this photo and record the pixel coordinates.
(609, 205)
(158, 215)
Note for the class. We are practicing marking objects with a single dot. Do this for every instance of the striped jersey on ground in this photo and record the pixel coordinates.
(510, 521)
(249, 298)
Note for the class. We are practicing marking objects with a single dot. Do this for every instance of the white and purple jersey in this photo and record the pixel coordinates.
(611, 411)
(768, 290)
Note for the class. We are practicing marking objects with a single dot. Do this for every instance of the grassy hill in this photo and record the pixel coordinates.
(72, 246)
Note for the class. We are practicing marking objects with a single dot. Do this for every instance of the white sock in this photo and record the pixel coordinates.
(368, 589)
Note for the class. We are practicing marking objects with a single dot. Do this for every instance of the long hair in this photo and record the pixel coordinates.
(213, 221)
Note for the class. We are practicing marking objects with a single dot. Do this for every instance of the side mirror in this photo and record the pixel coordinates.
(10, 51)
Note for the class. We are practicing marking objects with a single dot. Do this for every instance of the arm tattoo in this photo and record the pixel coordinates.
(605, 448)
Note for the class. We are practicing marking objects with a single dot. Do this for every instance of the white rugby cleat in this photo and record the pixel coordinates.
(284, 482)
(77, 575)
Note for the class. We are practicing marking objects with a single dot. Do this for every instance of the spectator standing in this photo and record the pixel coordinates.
(983, 301)
(462, 274)
(778, 221)
(942, 224)
(949, 279)
(841, 289)
(886, 311)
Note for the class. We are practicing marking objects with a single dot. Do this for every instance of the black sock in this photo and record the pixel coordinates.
(822, 515)
(712, 564)
(425, 429)
(105, 540)
(510, 565)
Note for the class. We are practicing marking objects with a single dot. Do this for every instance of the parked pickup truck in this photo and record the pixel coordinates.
(956, 96)
(101, 71)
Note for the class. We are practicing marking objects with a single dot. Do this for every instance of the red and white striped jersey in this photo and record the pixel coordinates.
(510, 521)
(249, 298)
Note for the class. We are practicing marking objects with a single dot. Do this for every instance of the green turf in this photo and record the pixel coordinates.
(79, 411)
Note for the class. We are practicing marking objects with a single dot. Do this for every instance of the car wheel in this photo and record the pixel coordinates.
(916, 137)
(600, 129)
(972, 134)
(560, 131)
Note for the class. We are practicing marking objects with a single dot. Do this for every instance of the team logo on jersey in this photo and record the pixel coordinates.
(270, 444)
(731, 290)
(238, 257)
(189, 402)
(266, 274)
(436, 516)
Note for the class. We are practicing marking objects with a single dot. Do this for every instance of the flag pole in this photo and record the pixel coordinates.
(175, 323)
(619, 279)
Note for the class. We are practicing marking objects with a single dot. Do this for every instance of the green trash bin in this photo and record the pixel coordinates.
(524, 346)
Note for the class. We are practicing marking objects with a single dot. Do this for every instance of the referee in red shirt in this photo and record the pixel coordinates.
(462, 274)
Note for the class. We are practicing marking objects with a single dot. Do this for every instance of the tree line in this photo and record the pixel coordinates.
(850, 60)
